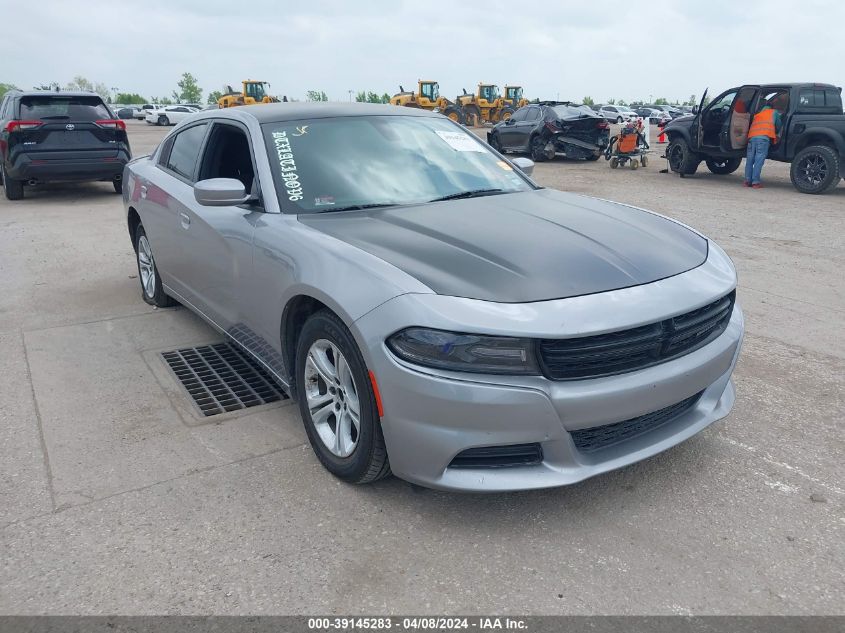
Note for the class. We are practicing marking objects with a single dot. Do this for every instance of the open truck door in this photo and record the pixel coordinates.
(734, 135)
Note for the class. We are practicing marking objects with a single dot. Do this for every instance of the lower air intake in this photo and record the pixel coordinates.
(499, 456)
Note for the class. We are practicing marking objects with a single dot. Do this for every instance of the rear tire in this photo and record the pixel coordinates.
(815, 169)
(723, 166)
(538, 150)
(13, 188)
(152, 291)
(118, 186)
(163, 120)
(682, 160)
(328, 363)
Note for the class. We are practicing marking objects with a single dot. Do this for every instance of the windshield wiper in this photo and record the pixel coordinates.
(475, 193)
(356, 207)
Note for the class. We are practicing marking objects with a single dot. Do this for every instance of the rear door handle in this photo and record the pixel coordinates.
(143, 191)
(186, 219)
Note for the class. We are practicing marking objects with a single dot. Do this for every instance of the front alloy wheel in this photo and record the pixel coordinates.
(332, 398)
(337, 401)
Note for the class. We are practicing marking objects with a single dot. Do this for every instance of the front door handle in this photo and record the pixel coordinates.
(144, 191)
(186, 219)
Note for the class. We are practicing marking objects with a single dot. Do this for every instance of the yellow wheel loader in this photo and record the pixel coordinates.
(486, 106)
(427, 97)
(253, 93)
(513, 95)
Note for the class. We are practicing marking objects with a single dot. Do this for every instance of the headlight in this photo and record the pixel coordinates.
(465, 352)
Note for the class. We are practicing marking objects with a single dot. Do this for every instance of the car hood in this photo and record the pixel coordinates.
(521, 247)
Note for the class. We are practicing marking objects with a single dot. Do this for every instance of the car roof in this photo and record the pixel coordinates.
(53, 93)
(277, 112)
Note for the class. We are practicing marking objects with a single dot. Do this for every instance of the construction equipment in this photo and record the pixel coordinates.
(513, 95)
(253, 93)
(427, 97)
(486, 106)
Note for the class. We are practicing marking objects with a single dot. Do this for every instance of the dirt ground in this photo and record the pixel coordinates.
(116, 498)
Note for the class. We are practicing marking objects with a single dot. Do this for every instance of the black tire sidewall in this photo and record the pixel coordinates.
(540, 155)
(13, 189)
(834, 169)
(355, 468)
(159, 299)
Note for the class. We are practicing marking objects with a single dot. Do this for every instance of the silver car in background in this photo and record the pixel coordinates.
(433, 311)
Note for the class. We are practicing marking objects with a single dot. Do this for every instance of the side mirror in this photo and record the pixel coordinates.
(220, 192)
(525, 165)
(695, 109)
(509, 121)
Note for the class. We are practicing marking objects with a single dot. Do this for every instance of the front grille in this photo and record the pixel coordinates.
(599, 437)
(637, 348)
(499, 456)
(221, 378)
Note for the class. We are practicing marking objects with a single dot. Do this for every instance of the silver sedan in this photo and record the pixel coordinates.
(434, 312)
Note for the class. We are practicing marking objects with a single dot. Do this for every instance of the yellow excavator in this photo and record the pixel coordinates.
(253, 93)
(427, 97)
(486, 106)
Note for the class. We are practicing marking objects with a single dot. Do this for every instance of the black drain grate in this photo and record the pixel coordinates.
(222, 378)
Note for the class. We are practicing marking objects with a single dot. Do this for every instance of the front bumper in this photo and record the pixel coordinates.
(430, 416)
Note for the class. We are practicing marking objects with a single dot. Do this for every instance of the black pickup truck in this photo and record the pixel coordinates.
(812, 137)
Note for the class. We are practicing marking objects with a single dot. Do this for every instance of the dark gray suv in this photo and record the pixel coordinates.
(59, 136)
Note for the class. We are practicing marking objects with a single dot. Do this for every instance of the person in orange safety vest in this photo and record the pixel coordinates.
(765, 128)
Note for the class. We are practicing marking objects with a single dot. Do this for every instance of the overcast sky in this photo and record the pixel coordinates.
(633, 50)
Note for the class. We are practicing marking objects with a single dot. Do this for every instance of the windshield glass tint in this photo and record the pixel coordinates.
(325, 164)
(73, 108)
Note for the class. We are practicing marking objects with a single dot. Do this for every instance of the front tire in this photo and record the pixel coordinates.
(163, 120)
(453, 113)
(815, 169)
(495, 143)
(682, 160)
(337, 402)
(723, 166)
(151, 288)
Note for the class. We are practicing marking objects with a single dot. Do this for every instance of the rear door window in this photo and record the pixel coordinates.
(185, 151)
(81, 108)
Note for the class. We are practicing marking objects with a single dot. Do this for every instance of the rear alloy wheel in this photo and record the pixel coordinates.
(337, 401)
(163, 120)
(151, 289)
(815, 169)
(682, 160)
(13, 188)
(723, 166)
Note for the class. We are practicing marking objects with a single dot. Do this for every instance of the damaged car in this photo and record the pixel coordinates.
(549, 128)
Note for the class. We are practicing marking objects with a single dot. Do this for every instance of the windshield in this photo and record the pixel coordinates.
(335, 163)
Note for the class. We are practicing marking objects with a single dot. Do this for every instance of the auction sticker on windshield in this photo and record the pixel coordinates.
(287, 165)
(460, 141)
